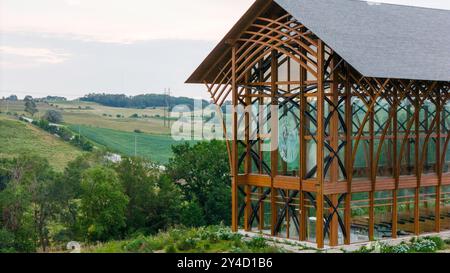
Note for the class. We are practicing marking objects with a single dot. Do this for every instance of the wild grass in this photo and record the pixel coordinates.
(212, 239)
(17, 138)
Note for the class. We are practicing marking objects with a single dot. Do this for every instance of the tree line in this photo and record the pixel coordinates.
(139, 101)
(94, 199)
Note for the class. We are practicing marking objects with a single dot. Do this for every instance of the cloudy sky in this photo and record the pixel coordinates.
(73, 47)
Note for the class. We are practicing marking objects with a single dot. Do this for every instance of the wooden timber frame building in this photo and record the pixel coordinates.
(358, 121)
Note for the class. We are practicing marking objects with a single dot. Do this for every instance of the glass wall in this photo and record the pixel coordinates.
(405, 114)
(383, 215)
(310, 211)
(445, 207)
(381, 118)
(362, 161)
(359, 229)
(288, 224)
(405, 203)
(427, 209)
(328, 213)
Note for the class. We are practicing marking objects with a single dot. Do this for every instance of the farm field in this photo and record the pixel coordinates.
(154, 147)
(111, 127)
(20, 138)
(92, 114)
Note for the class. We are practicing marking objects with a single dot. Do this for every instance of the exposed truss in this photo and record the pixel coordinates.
(354, 136)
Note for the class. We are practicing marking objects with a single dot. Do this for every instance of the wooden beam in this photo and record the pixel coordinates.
(274, 136)
(234, 152)
(302, 151)
(348, 153)
(320, 145)
(248, 159)
(334, 143)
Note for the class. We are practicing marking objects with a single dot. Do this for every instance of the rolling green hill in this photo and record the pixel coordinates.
(16, 138)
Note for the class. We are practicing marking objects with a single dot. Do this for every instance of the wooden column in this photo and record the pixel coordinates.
(334, 143)
(320, 137)
(234, 149)
(274, 136)
(302, 150)
(248, 159)
(396, 171)
(372, 168)
(437, 212)
(260, 122)
(348, 153)
(416, 163)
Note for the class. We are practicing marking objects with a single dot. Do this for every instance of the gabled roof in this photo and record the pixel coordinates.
(378, 40)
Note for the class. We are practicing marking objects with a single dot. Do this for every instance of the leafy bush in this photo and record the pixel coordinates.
(364, 249)
(401, 248)
(424, 246)
(440, 243)
(53, 116)
(170, 249)
(136, 245)
(225, 234)
(187, 244)
(6, 241)
(257, 242)
(82, 142)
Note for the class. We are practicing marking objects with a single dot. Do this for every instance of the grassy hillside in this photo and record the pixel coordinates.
(154, 147)
(17, 137)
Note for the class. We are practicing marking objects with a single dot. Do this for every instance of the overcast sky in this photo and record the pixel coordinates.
(73, 47)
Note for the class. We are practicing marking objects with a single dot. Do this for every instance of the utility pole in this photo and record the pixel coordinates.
(168, 108)
(165, 100)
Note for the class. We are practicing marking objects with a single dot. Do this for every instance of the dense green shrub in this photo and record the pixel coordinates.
(424, 246)
(440, 243)
(257, 242)
(401, 248)
(7, 241)
(187, 244)
(170, 249)
(82, 142)
(53, 116)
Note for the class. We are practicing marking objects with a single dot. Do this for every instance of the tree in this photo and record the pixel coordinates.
(70, 193)
(154, 199)
(202, 172)
(30, 106)
(53, 116)
(12, 98)
(27, 203)
(103, 204)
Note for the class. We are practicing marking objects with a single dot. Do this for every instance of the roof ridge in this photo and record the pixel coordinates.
(398, 5)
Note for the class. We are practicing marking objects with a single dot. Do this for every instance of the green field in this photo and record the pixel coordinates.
(16, 138)
(109, 127)
(154, 147)
(92, 114)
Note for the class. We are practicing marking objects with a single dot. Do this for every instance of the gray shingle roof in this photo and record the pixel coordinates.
(381, 40)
